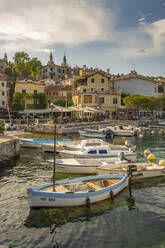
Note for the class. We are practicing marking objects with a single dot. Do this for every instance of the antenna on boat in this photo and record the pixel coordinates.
(54, 164)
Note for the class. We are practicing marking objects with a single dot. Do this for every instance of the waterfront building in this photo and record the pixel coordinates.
(3, 92)
(30, 90)
(95, 90)
(58, 93)
(134, 84)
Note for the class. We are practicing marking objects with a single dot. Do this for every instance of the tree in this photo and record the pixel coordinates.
(79, 81)
(21, 64)
(25, 66)
(34, 67)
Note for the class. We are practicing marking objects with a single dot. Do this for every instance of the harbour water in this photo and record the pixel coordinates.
(104, 225)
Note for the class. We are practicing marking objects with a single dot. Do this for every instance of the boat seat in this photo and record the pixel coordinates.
(93, 185)
(110, 182)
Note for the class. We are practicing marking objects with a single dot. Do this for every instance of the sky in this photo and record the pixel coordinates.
(121, 35)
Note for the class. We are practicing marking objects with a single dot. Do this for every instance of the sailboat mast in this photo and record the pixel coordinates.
(54, 165)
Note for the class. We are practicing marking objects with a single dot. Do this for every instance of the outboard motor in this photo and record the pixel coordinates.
(109, 134)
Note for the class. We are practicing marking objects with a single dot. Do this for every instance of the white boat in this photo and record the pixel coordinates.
(99, 152)
(144, 170)
(122, 130)
(37, 143)
(79, 144)
(102, 133)
(76, 192)
(83, 166)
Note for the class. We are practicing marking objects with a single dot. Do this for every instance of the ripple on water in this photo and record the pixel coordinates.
(105, 225)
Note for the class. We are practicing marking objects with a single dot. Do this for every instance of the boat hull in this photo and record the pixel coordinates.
(40, 199)
(142, 174)
(129, 156)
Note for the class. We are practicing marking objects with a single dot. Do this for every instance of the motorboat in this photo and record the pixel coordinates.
(119, 130)
(96, 133)
(37, 143)
(99, 152)
(77, 191)
(78, 144)
(84, 166)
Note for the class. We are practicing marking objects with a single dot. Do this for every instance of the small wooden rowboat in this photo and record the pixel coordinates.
(76, 192)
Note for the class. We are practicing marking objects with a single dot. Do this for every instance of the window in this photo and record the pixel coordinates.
(63, 71)
(3, 84)
(3, 93)
(92, 80)
(102, 89)
(23, 91)
(48, 93)
(59, 70)
(88, 99)
(91, 89)
(102, 80)
(23, 101)
(92, 152)
(102, 151)
(35, 91)
(101, 100)
(35, 101)
(114, 100)
(84, 90)
(3, 103)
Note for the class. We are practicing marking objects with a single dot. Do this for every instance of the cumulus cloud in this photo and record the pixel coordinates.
(41, 24)
(148, 39)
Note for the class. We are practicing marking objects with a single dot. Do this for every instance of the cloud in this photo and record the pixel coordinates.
(146, 40)
(38, 25)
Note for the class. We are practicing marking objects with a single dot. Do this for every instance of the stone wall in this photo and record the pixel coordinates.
(9, 148)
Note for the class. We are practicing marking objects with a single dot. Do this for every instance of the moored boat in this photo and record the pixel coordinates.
(76, 192)
(99, 152)
(144, 170)
(83, 166)
(37, 143)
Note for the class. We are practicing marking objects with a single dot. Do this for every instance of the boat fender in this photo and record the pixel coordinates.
(151, 158)
(162, 162)
(111, 195)
(88, 202)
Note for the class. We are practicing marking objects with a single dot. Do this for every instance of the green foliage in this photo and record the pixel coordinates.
(2, 126)
(19, 97)
(41, 99)
(26, 67)
(18, 101)
(79, 81)
(35, 67)
(63, 103)
(160, 88)
(143, 102)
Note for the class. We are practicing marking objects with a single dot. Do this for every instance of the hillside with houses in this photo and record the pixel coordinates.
(28, 88)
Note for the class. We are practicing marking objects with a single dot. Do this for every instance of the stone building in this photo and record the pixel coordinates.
(4, 98)
(95, 90)
(56, 72)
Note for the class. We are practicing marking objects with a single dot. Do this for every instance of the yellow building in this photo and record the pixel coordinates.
(96, 90)
(58, 92)
(30, 88)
